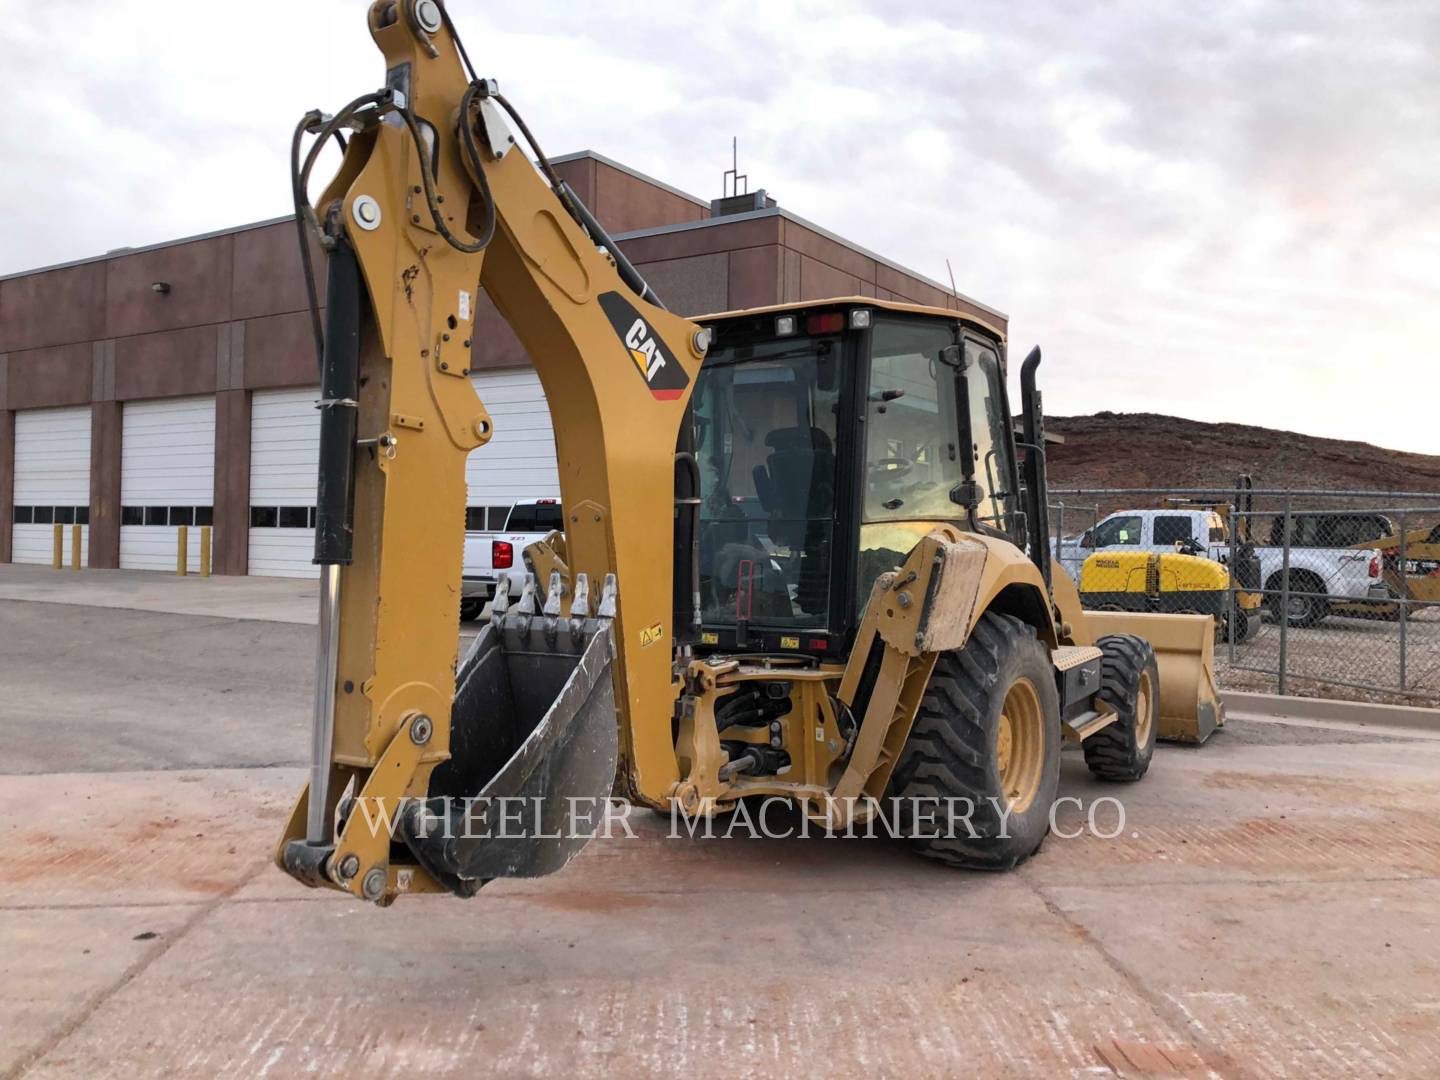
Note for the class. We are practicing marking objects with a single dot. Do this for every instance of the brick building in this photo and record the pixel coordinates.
(174, 384)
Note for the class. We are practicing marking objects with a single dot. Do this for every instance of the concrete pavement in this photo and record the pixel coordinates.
(1270, 907)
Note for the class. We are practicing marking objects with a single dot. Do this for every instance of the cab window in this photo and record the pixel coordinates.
(912, 441)
(1171, 529)
(766, 426)
(1118, 531)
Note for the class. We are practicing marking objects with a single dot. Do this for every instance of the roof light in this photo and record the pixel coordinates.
(831, 322)
(784, 325)
(860, 318)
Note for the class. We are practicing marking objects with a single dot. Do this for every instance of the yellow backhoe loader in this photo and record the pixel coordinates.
(794, 557)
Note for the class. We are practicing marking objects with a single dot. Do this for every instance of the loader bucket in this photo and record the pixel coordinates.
(533, 745)
(1190, 705)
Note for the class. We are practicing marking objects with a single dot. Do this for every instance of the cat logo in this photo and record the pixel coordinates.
(662, 373)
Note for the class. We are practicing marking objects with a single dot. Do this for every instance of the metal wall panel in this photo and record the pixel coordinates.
(518, 463)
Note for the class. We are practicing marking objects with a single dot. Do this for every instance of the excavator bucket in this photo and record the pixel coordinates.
(533, 744)
(1190, 705)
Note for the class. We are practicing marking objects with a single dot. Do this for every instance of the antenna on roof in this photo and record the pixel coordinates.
(731, 177)
(953, 291)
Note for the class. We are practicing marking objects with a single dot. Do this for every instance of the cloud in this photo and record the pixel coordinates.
(1221, 211)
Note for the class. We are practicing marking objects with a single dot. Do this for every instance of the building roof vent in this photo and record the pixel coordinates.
(741, 204)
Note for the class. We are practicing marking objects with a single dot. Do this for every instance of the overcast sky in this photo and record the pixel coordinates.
(1220, 211)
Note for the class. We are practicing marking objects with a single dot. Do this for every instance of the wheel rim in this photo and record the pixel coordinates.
(1142, 710)
(1298, 608)
(1020, 748)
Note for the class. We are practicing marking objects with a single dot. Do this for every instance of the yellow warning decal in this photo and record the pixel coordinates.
(789, 643)
(651, 634)
(709, 637)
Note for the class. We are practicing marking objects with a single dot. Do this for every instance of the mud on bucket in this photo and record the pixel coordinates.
(533, 744)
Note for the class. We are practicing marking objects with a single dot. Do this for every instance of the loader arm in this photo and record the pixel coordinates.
(435, 200)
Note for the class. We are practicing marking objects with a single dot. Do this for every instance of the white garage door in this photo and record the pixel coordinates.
(52, 482)
(167, 479)
(284, 455)
(519, 462)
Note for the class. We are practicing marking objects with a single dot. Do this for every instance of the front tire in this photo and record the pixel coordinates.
(986, 739)
(1130, 683)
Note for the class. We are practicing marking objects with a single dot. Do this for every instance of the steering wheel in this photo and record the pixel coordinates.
(892, 468)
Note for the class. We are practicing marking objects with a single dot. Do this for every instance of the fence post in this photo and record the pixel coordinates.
(204, 550)
(74, 547)
(57, 557)
(1402, 571)
(1060, 534)
(182, 553)
(1230, 600)
(1281, 676)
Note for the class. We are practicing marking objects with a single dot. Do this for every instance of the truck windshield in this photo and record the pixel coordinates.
(765, 420)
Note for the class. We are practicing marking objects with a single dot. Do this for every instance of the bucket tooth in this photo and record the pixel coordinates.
(607, 598)
(579, 609)
(554, 594)
(523, 613)
(501, 603)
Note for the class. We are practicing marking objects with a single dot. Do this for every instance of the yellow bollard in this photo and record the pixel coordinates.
(182, 552)
(204, 550)
(57, 559)
(74, 547)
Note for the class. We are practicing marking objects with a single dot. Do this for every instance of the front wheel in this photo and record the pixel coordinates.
(1129, 684)
(978, 775)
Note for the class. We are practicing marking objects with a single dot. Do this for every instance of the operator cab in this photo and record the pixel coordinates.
(829, 439)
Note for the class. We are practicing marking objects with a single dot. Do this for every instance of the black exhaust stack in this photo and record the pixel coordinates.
(1037, 484)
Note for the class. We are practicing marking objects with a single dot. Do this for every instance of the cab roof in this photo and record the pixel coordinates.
(856, 301)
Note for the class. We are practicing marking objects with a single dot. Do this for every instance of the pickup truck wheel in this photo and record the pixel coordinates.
(977, 778)
(470, 609)
(1130, 683)
(1308, 607)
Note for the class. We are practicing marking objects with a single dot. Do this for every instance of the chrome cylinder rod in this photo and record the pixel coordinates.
(322, 732)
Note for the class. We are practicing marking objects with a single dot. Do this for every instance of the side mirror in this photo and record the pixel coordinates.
(1088, 540)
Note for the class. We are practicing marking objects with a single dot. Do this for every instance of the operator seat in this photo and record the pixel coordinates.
(796, 487)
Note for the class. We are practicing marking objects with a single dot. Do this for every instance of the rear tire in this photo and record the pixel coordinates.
(1305, 610)
(470, 609)
(987, 736)
(1129, 681)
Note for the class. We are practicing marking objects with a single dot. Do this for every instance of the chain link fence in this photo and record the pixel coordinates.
(1313, 593)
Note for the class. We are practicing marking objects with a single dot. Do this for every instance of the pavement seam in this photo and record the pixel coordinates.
(156, 611)
(1175, 1018)
(1188, 883)
(129, 975)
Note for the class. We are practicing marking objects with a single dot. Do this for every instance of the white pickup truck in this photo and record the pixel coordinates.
(1319, 576)
(491, 555)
